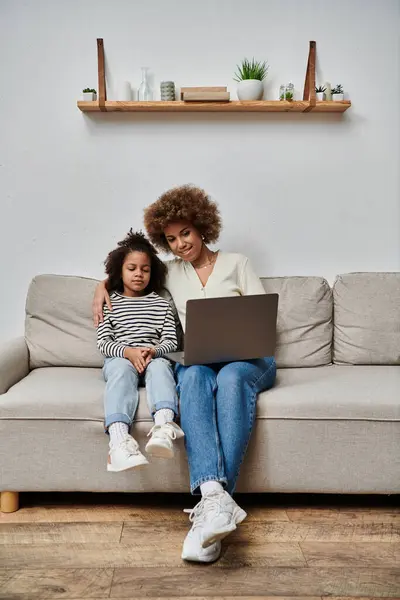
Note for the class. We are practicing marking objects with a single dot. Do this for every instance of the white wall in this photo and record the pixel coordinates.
(300, 194)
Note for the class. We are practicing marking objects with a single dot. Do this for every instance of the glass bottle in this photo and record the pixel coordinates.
(145, 92)
(282, 90)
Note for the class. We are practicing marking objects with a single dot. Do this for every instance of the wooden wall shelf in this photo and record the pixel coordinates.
(308, 104)
(224, 107)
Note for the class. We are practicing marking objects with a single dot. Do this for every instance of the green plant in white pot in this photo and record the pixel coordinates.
(319, 92)
(337, 93)
(89, 95)
(250, 76)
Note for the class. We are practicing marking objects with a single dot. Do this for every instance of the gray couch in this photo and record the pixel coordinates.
(331, 424)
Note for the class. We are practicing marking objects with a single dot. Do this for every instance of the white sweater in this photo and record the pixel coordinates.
(232, 276)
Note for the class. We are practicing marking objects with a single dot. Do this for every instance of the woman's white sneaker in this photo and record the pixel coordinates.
(192, 546)
(162, 437)
(193, 551)
(126, 455)
(220, 514)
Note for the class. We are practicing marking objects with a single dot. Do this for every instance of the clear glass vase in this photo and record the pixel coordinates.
(145, 91)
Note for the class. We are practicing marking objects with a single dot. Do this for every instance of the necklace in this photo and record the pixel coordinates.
(209, 264)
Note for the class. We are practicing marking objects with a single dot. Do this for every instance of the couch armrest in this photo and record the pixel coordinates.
(14, 363)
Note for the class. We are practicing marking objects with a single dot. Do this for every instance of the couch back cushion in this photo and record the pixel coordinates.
(59, 326)
(367, 319)
(304, 329)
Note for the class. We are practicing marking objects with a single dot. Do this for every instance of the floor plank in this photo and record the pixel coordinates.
(141, 513)
(96, 513)
(312, 515)
(104, 555)
(56, 533)
(50, 584)
(336, 554)
(371, 515)
(229, 598)
(343, 515)
(281, 581)
(274, 532)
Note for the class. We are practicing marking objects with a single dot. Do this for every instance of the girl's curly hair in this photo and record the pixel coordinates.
(188, 203)
(134, 242)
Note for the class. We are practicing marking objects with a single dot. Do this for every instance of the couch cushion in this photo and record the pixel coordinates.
(304, 325)
(332, 392)
(367, 319)
(66, 393)
(59, 326)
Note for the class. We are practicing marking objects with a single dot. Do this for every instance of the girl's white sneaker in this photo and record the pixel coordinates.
(125, 456)
(162, 437)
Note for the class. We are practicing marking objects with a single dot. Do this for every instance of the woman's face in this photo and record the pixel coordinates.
(184, 240)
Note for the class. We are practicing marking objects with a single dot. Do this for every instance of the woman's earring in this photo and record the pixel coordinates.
(202, 237)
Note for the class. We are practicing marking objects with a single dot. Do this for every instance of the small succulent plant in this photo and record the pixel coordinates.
(89, 91)
(320, 89)
(337, 90)
(287, 96)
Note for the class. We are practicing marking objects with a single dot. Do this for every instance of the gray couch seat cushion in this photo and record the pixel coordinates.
(61, 393)
(334, 392)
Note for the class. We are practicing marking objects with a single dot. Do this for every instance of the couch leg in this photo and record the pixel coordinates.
(9, 502)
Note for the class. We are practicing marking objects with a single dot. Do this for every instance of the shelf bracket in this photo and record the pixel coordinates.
(101, 75)
(309, 84)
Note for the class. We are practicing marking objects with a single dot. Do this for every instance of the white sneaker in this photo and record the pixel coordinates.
(125, 456)
(220, 515)
(162, 438)
(192, 549)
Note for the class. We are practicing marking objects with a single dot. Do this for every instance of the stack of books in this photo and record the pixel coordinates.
(205, 94)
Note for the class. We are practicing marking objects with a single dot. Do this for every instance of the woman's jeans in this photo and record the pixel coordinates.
(218, 406)
(121, 397)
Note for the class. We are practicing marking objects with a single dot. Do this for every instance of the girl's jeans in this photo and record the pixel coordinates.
(121, 397)
(217, 406)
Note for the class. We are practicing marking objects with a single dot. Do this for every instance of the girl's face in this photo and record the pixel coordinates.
(136, 271)
(184, 240)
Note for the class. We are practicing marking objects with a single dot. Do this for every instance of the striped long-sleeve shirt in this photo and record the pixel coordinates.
(145, 321)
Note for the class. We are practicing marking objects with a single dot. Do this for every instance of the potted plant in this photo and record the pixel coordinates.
(288, 96)
(89, 95)
(320, 91)
(337, 93)
(250, 76)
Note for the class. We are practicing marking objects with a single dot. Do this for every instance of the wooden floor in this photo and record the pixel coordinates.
(81, 546)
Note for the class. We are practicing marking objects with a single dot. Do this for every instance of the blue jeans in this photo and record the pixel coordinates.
(218, 406)
(121, 396)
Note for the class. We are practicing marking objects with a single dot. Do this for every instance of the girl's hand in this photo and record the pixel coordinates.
(137, 356)
(100, 298)
(151, 353)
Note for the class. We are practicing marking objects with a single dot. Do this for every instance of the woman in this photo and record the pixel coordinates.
(217, 402)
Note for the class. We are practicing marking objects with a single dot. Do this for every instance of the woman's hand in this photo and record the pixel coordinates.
(138, 357)
(100, 298)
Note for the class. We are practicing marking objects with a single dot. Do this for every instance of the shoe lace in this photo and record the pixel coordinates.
(162, 430)
(209, 505)
(130, 445)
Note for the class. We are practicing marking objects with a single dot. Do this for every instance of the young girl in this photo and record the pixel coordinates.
(134, 337)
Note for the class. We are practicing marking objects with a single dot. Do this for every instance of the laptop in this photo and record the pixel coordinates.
(228, 329)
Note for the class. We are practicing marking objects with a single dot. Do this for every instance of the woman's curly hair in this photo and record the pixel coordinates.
(188, 203)
(134, 242)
